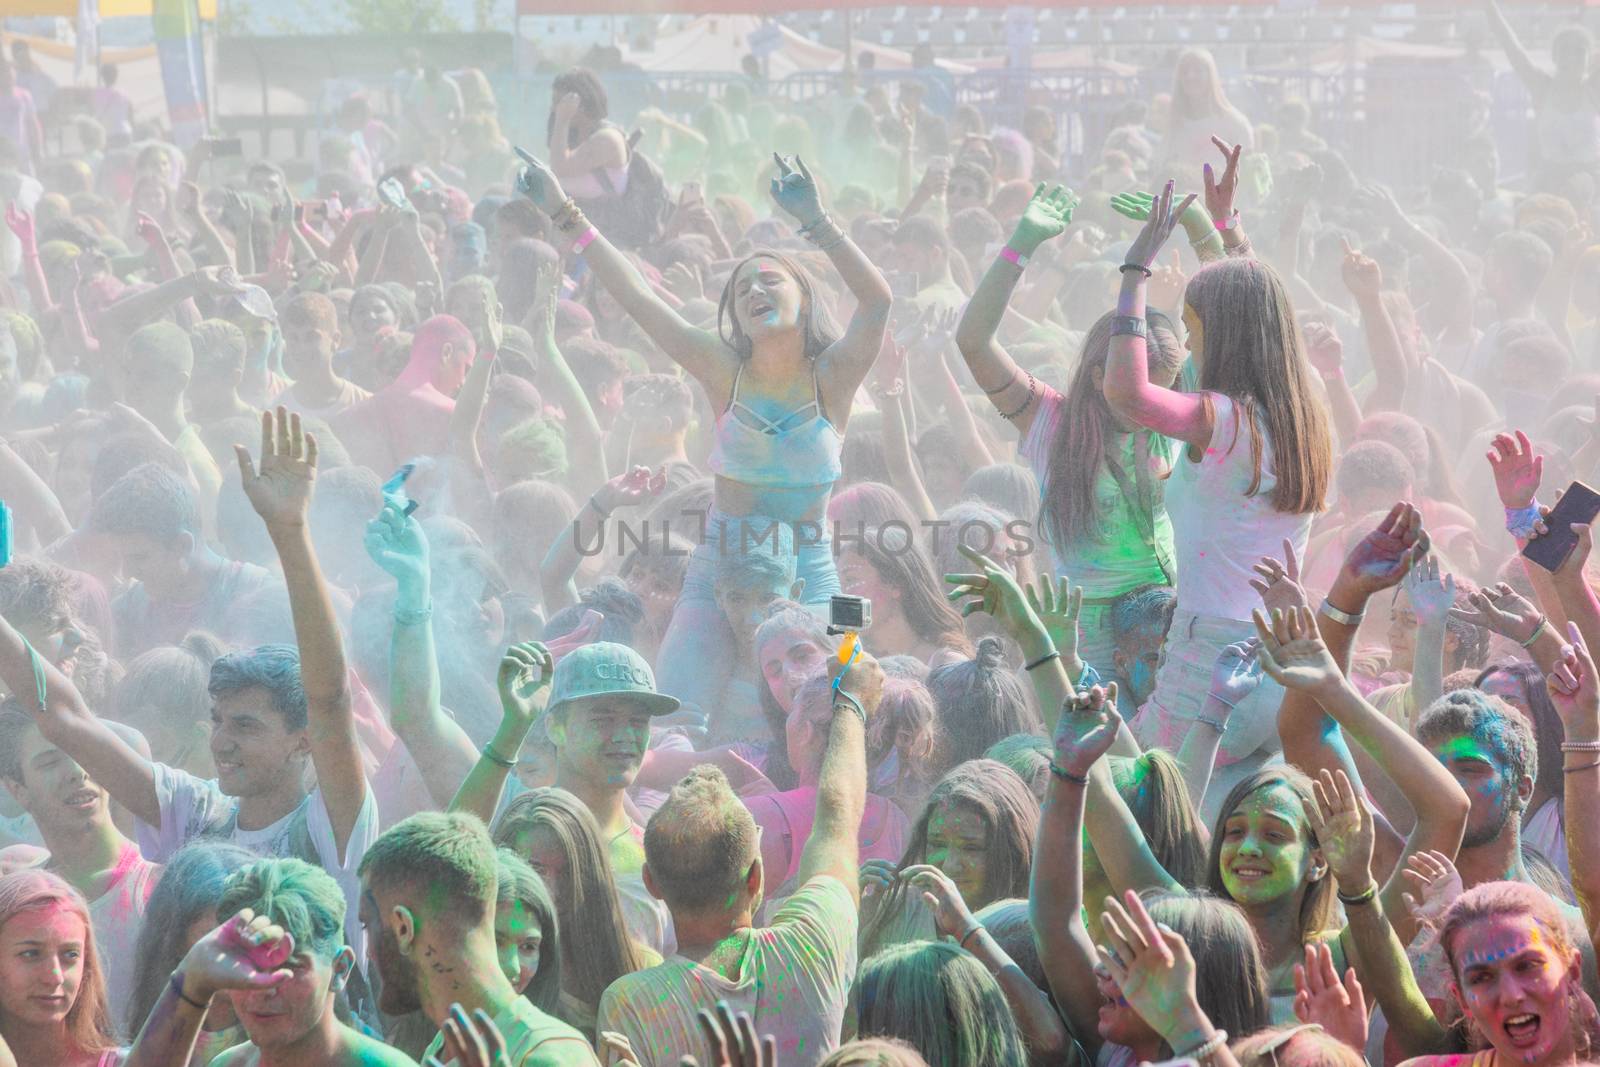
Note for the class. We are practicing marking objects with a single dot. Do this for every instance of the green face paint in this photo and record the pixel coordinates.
(1266, 850)
(958, 844)
(1482, 772)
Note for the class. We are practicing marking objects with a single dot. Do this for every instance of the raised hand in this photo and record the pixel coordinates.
(1235, 675)
(538, 183)
(1220, 193)
(631, 488)
(1344, 827)
(1437, 884)
(1319, 997)
(20, 222)
(1502, 610)
(1574, 690)
(1517, 469)
(281, 491)
(246, 952)
(1164, 217)
(1086, 729)
(1292, 652)
(950, 913)
(616, 1050)
(471, 1041)
(1323, 347)
(1058, 603)
(997, 593)
(525, 672)
(1279, 585)
(1151, 965)
(733, 1040)
(1047, 215)
(1361, 274)
(1432, 596)
(395, 542)
(1380, 559)
(795, 190)
(1136, 206)
(878, 877)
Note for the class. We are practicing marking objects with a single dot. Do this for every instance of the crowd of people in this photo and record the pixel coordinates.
(423, 616)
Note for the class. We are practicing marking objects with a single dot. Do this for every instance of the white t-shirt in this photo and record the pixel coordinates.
(1220, 533)
(793, 977)
(193, 808)
(1546, 830)
(117, 916)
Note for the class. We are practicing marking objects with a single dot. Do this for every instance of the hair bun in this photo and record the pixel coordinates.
(991, 654)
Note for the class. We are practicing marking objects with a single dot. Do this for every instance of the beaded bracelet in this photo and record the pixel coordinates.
(1033, 387)
(414, 616)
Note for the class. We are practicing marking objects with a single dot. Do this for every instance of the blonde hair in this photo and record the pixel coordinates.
(1252, 354)
(88, 1021)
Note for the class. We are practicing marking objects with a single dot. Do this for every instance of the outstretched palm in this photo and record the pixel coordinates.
(1292, 652)
(1382, 558)
(1047, 215)
(281, 490)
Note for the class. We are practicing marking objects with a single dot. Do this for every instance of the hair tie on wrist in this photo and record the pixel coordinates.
(974, 928)
(1042, 660)
(488, 753)
(1363, 897)
(1126, 267)
(1066, 775)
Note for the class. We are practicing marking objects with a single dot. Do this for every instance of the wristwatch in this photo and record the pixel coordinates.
(1229, 223)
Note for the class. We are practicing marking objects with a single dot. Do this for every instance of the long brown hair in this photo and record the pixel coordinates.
(588, 910)
(816, 324)
(1252, 354)
(1010, 815)
(88, 1021)
(1319, 906)
(1070, 511)
(899, 559)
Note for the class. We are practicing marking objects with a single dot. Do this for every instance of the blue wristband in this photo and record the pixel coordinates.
(1522, 522)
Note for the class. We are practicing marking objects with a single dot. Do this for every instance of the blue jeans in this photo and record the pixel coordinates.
(697, 653)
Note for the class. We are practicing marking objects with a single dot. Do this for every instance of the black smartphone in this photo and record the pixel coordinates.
(1578, 504)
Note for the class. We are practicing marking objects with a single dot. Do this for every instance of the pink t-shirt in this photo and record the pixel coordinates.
(792, 812)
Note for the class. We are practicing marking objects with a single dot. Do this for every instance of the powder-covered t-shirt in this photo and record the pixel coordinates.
(793, 977)
(1132, 548)
(533, 1039)
(193, 808)
(143, 624)
(117, 916)
(1220, 532)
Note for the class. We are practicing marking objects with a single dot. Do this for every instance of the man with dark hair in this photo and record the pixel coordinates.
(703, 857)
(273, 707)
(428, 889)
(179, 582)
(275, 906)
(73, 815)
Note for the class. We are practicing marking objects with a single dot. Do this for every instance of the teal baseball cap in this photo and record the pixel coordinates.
(607, 669)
